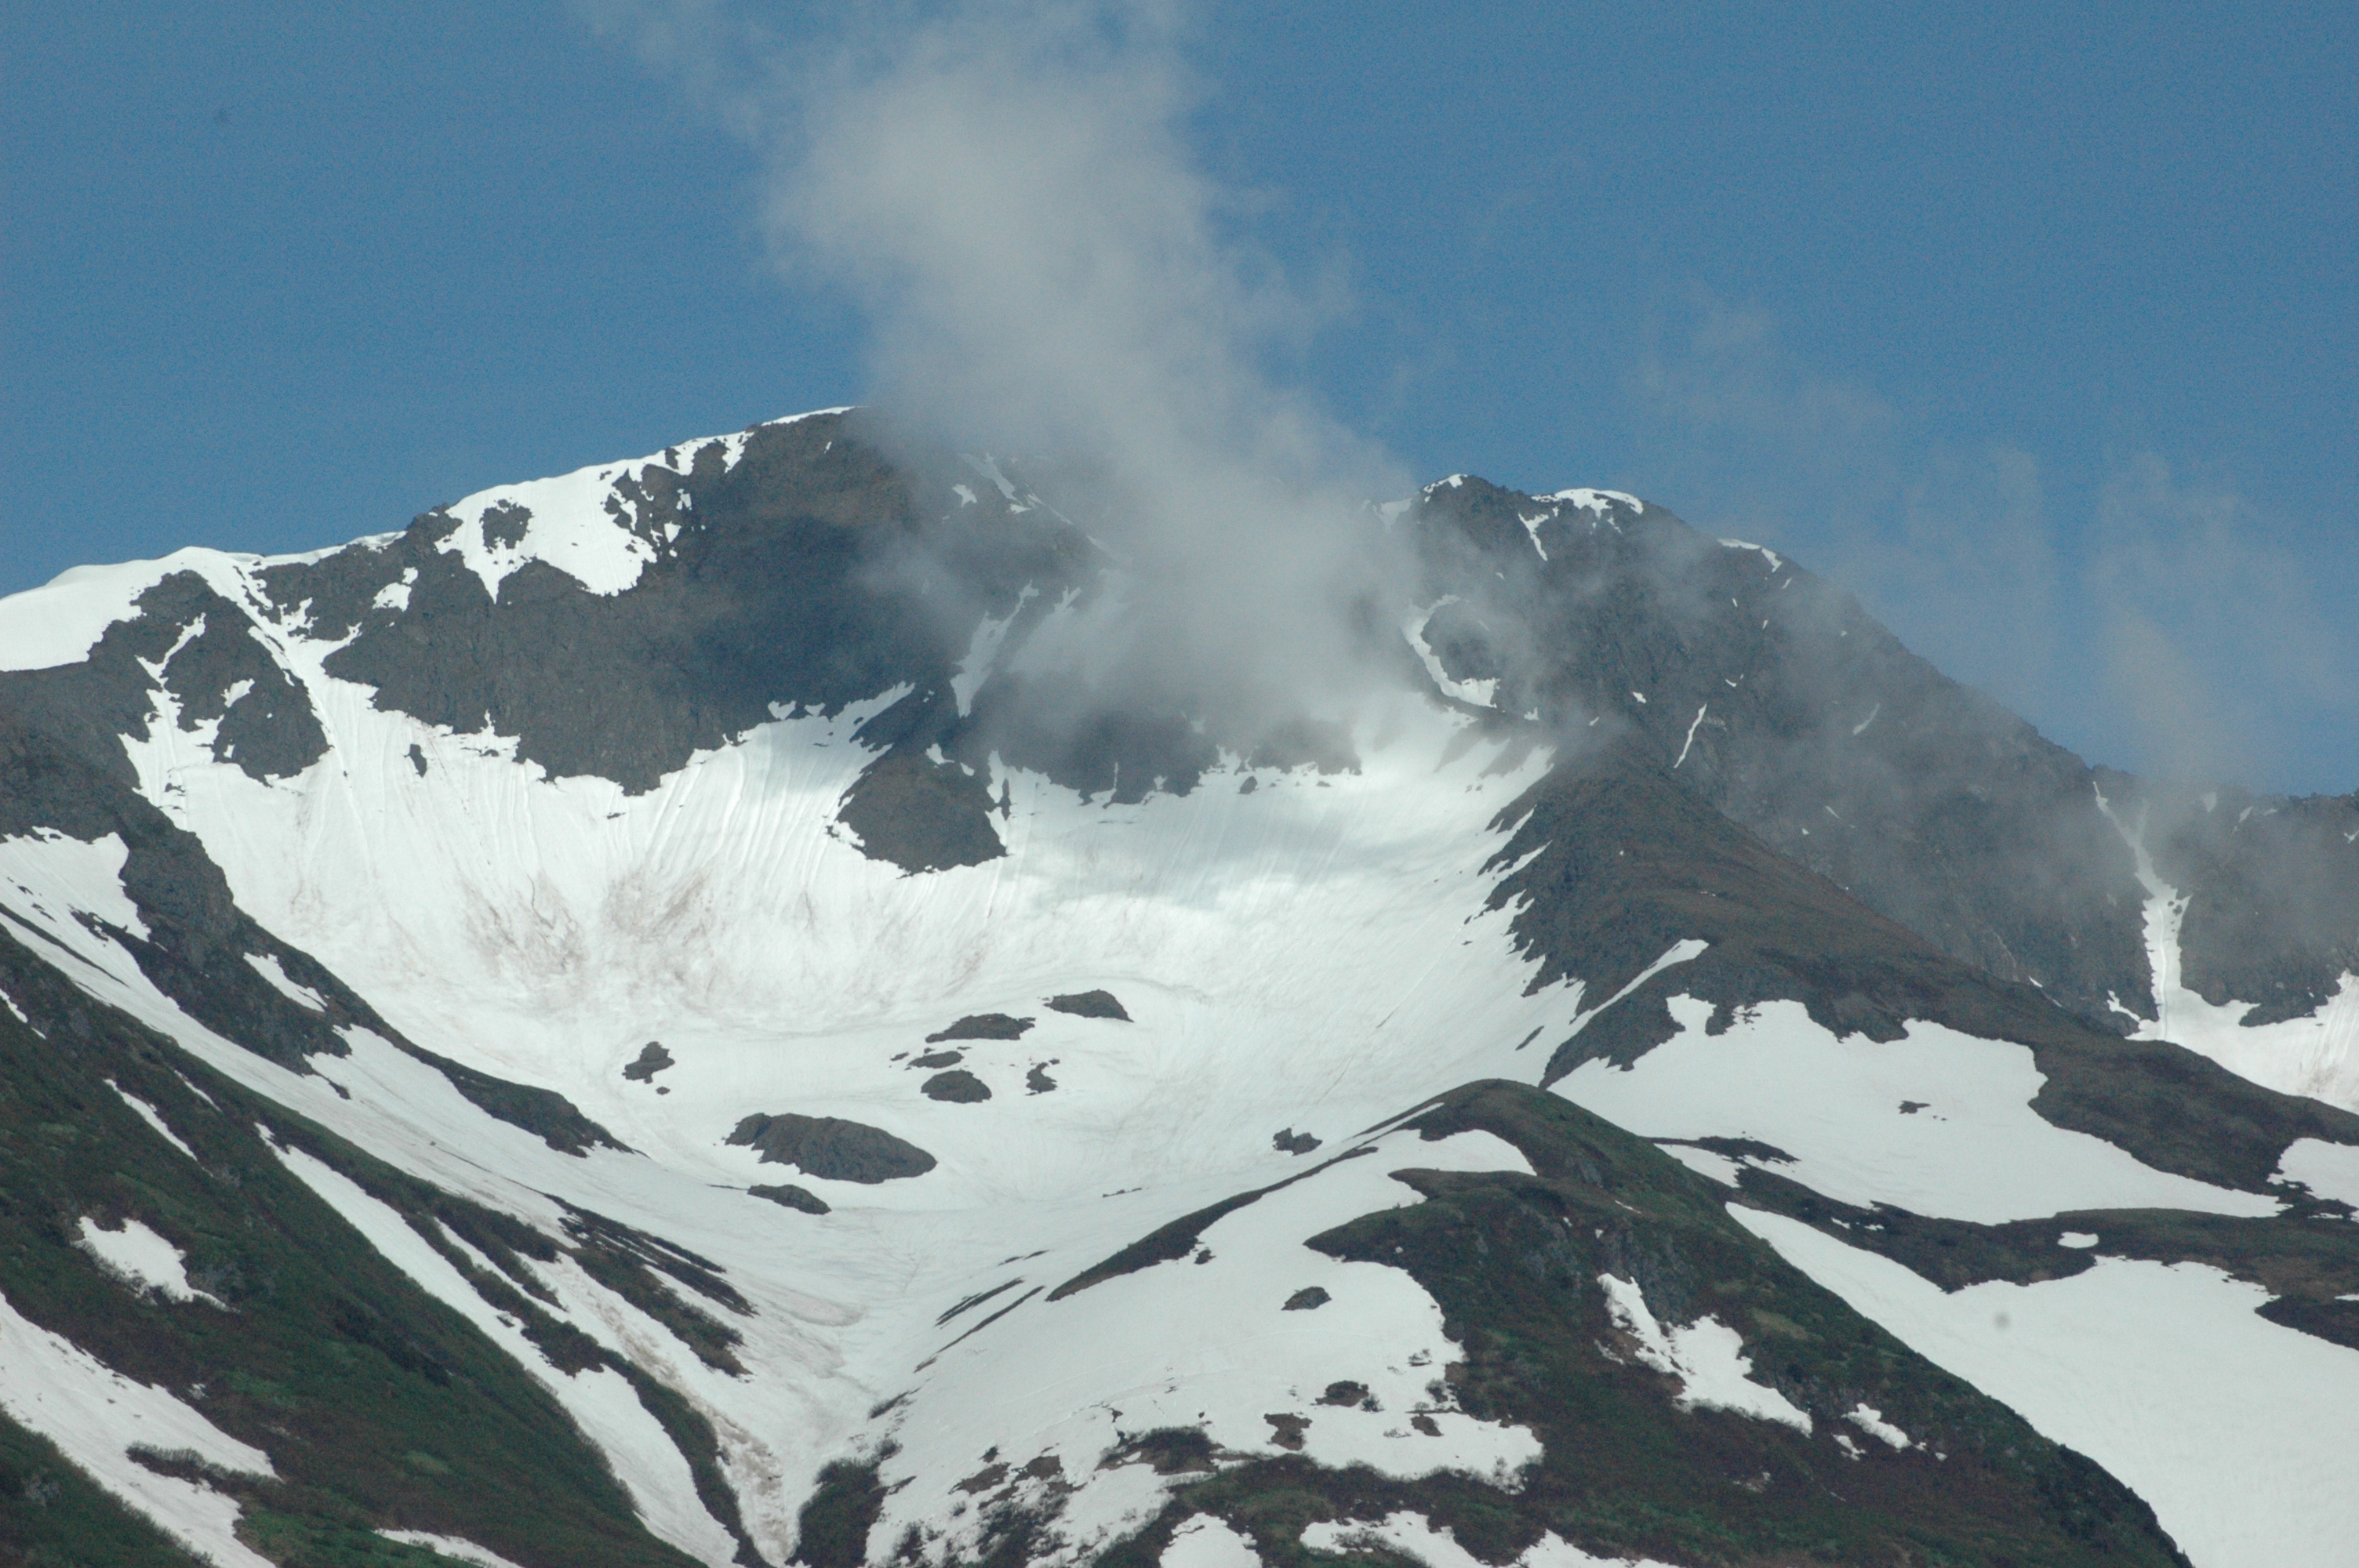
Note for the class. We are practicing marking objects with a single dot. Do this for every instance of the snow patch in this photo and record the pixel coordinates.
(96, 1415)
(1984, 1155)
(1870, 1420)
(2238, 1431)
(60, 621)
(149, 1114)
(1413, 1536)
(50, 879)
(983, 651)
(2329, 1170)
(1208, 1543)
(1481, 693)
(266, 965)
(1776, 562)
(1692, 724)
(141, 1259)
(395, 596)
(1599, 501)
(1707, 1356)
(1704, 1162)
(1206, 1342)
(449, 1546)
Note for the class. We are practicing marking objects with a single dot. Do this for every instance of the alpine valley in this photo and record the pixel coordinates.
(658, 1016)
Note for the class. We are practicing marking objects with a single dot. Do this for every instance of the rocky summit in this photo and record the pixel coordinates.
(666, 1015)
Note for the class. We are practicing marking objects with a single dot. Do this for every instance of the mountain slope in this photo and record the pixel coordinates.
(648, 921)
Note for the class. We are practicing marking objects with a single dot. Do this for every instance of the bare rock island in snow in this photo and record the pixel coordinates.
(656, 1016)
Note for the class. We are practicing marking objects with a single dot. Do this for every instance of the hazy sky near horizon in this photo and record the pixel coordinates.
(2036, 326)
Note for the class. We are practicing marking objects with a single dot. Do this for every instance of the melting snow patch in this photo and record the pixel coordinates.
(1413, 1536)
(2329, 1170)
(1707, 1356)
(1776, 562)
(448, 1546)
(147, 1113)
(1693, 723)
(1481, 693)
(1704, 1162)
(266, 965)
(95, 1415)
(2080, 1239)
(1599, 501)
(1870, 1420)
(141, 1259)
(1208, 1543)
(58, 877)
(1776, 1075)
(395, 595)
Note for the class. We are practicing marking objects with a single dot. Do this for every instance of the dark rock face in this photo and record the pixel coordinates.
(768, 593)
(920, 814)
(1037, 1080)
(1088, 1004)
(2272, 888)
(956, 1086)
(267, 725)
(1310, 1298)
(1773, 697)
(793, 1196)
(983, 1026)
(1288, 1141)
(652, 1059)
(833, 1150)
(1618, 863)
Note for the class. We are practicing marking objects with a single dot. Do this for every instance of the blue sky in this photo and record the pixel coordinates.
(2035, 326)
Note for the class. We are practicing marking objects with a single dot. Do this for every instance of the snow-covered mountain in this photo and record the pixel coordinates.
(626, 1023)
